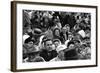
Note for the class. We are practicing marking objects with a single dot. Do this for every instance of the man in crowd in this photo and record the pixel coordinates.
(48, 53)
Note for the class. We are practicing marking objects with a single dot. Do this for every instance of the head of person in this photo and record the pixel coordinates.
(67, 27)
(56, 32)
(29, 42)
(70, 36)
(56, 20)
(71, 45)
(86, 40)
(77, 43)
(87, 20)
(61, 51)
(77, 37)
(56, 42)
(82, 48)
(48, 44)
(64, 29)
(88, 31)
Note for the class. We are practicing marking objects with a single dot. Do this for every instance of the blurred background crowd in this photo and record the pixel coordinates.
(56, 36)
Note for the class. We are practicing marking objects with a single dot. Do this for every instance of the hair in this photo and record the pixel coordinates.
(77, 41)
(55, 30)
(71, 42)
(47, 40)
(44, 38)
(56, 40)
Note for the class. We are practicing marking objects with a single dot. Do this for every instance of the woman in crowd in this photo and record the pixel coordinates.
(57, 35)
(56, 42)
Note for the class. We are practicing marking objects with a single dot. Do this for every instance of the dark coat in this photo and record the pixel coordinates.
(71, 54)
(48, 55)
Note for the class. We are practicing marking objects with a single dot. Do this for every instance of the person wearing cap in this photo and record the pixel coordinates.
(60, 50)
(48, 52)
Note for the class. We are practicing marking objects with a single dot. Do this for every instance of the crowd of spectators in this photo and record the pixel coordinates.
(56, 36)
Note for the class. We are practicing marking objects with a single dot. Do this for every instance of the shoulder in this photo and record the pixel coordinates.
(39, 59)
(43, 52)
(54, 51)
(54, 59)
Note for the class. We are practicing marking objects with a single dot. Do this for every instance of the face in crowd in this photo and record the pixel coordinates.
(57, 32)
(48, 45)
(56, 43)
(70, 36)
(88, 33)
(64, 29)
(77, 43)
(71, 46)
(67, 28)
